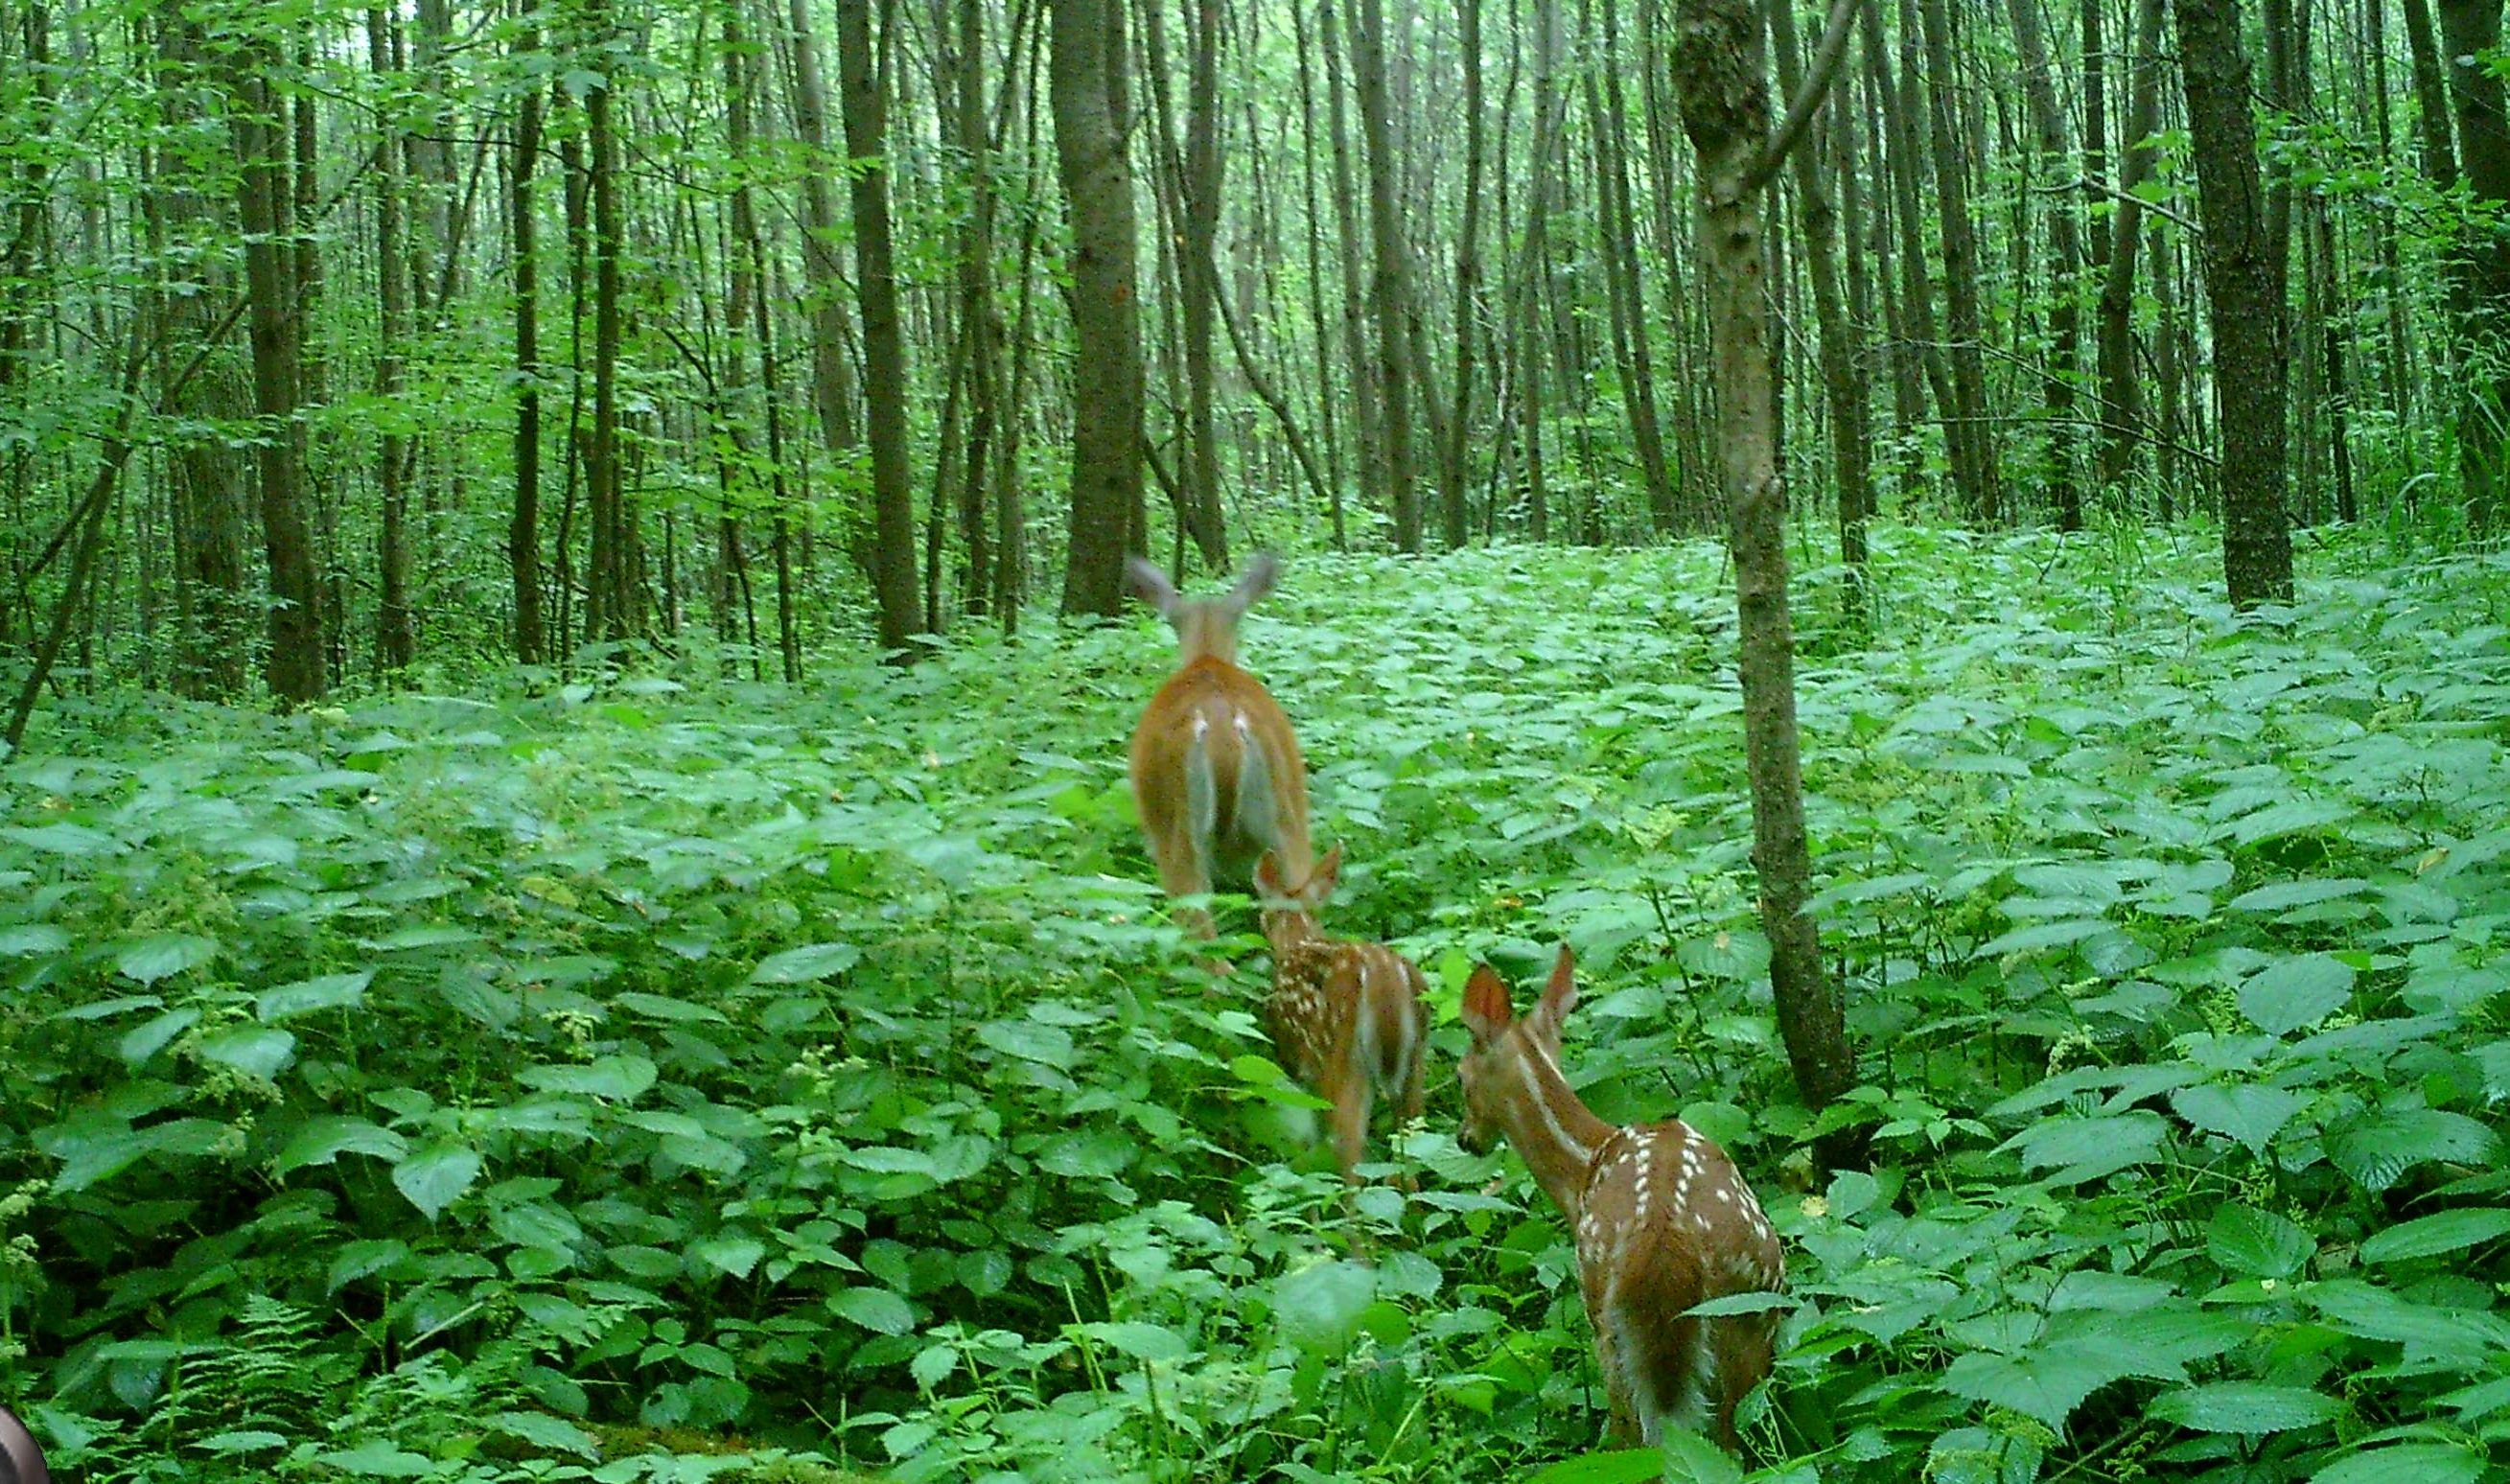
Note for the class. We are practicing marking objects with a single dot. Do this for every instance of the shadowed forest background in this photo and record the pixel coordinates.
(568, 901)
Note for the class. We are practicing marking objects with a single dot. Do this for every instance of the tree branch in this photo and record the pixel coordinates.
(1808, 100)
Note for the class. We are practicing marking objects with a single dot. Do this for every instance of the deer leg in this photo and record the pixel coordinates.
(1349, 1123)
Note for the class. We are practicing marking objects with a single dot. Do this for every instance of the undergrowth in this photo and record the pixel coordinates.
(672, 1078)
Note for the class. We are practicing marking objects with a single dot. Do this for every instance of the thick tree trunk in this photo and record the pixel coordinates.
(1719, 69)
(893, 497)
(2431, 97)
(2470, 30)
(2244, 282)
(832, 389)
(1088, 78)
(295, 670)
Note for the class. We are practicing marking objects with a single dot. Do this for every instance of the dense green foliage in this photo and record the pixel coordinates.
(670, 1068)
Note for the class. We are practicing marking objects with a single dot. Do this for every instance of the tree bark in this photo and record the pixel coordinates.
(2244, 283)
(1388, 292)
(2065, 263)
(1719, 69)
(2471, 29)
(294, 669)
(2122, 393)
(1088, 78)
(610, 612)
(1199, 275)
(1973, 452)
(396, 643)
(893, 497)
(523, 531)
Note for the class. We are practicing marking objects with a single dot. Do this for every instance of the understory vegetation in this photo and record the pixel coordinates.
(664, 1077)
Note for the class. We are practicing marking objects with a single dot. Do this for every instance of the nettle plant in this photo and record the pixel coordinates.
(674, 1076)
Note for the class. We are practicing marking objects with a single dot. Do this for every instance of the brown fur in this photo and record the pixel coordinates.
(1662, 1219)
(1335, 1002)
(1217, 775)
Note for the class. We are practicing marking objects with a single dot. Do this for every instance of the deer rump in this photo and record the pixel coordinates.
(1232, 806)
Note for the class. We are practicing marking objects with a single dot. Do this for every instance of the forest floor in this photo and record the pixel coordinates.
(674, 1077)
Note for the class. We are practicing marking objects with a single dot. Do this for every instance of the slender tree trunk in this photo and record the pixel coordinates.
(1719, 69)
(295, 668)
(1973, 451)
(2122, 393)
(893, 497)
(1843, 381)
(1088, 78)
(1451, 469)
(609, 610)
(2244, 283)
(1388, 292)
(396, 645)
(2431, 97)
(1317, 295)
(832, 390)
(523, 531)
(1199, 275)
(2065, 266)
(1625, 293)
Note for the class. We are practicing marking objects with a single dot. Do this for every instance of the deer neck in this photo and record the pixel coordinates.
(1551, 1126)
(1288, 928)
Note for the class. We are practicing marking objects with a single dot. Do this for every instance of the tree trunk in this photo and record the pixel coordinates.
(1624, 291)
(832, 390)
(1719, 69)
(1388, 292)
(2244, 282)
(1973, 451)
(2121, 395)
(523, 531)
(893, 497)
(2431, 97)
(2471, 29)
(396, 645)
(609, 611)
(1469, 274)
(2065, 265)
(1087, 79)
(295, 668)
(1199, 275)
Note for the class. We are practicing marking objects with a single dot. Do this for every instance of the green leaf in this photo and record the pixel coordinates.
(333, 991)
(435, 1177)
(27, 938)
(2379, 1150)
(2088, 1149)
(613, 1079)
(325, 1139)
(1047, 1044)
(877, 1309)
(147, 1039)
(250, 1440)
(2047, 1381)
(933, 1365)
(729, 1253)
(2245, 1407)
(2289, 994)
(258, 1051)
(2441, 1232)
(2247, 1113)
(542, 1430)
(799, 965)
(1626, 1467)
(1318, 1306)
(379, 1460)
(1142, 1342)
(2404, 1463)
(2260, 1243)
(164, 955)
(664, 1007)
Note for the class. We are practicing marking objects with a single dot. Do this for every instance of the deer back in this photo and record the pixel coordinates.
(1347, 1018)
(1217, 774)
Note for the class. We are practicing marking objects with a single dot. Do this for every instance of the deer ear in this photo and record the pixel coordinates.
(1150, 583)
(1560, 996)
(1486, 1010)
(1268, 876)
(1260, 575)
(1328, 872)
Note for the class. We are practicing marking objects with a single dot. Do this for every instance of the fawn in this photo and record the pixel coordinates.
(1345, 1018)
(1664, 1220)
(1217, 775)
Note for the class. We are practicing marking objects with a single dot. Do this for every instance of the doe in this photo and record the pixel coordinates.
(1217, 775)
